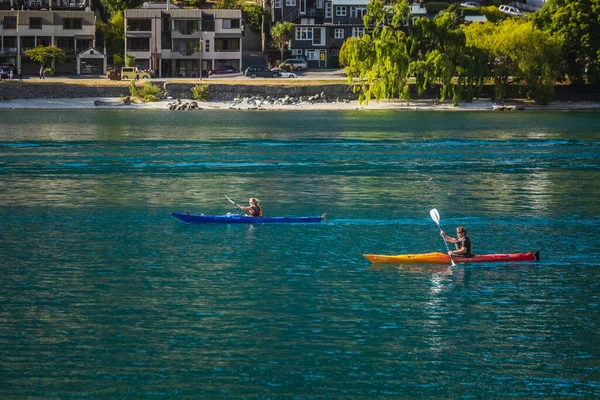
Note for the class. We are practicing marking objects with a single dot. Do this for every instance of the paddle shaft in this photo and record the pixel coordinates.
(234, 203)
(447, 248)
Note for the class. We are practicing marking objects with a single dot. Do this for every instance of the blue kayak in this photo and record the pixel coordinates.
(242, 219)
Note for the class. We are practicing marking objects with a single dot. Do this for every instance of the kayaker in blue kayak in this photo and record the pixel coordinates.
(463, 243)
(253, 209)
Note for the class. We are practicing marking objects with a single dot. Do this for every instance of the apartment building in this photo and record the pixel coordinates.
(69, 25)
(179, 42)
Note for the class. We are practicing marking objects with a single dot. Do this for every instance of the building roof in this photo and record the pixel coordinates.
(475, 18)
(350, 2)
(158, 6)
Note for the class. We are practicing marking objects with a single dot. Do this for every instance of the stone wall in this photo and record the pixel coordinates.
(227, 92)
(221, 92)
(17, 90)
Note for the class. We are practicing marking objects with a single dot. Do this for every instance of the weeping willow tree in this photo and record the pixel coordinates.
(432, 52)
(379, 60)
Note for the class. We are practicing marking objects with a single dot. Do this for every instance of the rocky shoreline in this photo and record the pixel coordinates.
(290, 103)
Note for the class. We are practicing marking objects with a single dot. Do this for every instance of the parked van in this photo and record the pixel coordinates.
(129, 73)
(510, 10)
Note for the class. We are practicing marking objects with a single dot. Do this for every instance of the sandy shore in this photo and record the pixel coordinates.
(477, 105)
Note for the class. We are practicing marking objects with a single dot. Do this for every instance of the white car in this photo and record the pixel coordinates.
(284, 74)
(510, 10)
(470, 4)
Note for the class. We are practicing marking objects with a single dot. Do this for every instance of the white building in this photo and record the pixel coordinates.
(175, 42)
(71, 30)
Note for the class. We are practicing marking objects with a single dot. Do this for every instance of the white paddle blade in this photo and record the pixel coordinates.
(435, 216)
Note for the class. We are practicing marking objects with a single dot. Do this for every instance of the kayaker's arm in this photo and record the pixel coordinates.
(447, 238)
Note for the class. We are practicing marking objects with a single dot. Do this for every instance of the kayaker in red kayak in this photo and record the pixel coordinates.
(253, 209)
(463, 243)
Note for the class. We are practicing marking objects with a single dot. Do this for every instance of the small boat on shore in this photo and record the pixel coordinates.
(243, 219)
(443, 258)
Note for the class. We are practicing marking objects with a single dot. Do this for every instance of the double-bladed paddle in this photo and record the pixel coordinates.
(435, 216)
(233, 202)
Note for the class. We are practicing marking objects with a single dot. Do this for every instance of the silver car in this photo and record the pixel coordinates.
(297, 64)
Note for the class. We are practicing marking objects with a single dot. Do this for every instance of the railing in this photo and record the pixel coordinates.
(292, 16)
(13, 51)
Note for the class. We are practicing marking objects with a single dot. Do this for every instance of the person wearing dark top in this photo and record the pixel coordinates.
(253, 209)
(463, 243)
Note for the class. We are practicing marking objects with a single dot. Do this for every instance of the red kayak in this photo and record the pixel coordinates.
(443, 258)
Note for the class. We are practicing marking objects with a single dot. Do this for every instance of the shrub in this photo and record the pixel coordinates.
(148, 92)
(48, 71)
(492, 14)
(201, 93)
(130, 60)
(117, 60)
(436, 6)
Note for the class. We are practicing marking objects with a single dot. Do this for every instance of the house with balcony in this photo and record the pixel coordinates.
(322, 26)
(69, 25)
(181, 42)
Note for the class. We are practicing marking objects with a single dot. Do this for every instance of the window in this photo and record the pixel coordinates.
(227, 45)
(335, 52)
(304, 33)
(35, 23)
(186, 26)
(311, 55)
(290, 3)
(144, 25)
(10, 22)
(231, 24)
(319, 3)
(339, 33)
(340, 11)
(328, 9)
(296, 52)
(277, 3)
(207, 45)
(358, 32)
(357, 11)
(72, 23)
(138, 44)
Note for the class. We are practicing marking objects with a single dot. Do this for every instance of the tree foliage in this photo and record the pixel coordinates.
(430, 51)
(253, 14)
(576, 25)
(44, 55)
(113, 35)
(227, 4)
(282, 33)
(516, 50)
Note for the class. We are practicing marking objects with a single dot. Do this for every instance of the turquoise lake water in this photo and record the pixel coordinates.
(105, 295)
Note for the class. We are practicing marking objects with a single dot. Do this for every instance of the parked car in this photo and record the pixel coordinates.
(510, 10)
(6, 68)
(129, 73)
(297, 64)
(470, 4)
(264, 72)
(223, 69)
(284, 74)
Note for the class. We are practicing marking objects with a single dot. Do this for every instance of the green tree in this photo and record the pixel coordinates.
(282, 33)
(113, 36)
(130, 60)
(379, 61)
(576, 24)
(516, 50)
(253, 14)
(44, 55)
(227, 4)
(114, 6)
